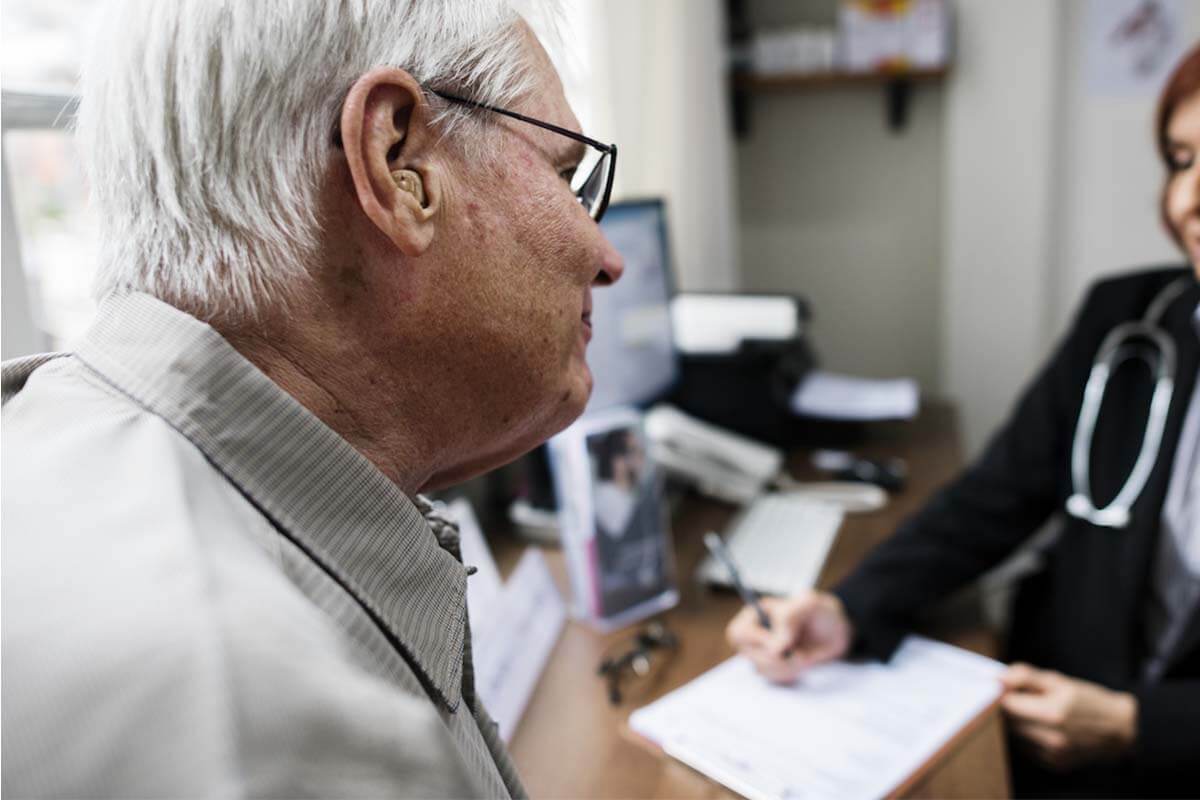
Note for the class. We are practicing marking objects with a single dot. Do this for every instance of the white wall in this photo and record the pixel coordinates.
(652, 78)
(999, 176)
(1110, 167)
(1051, 182)
(836, 207)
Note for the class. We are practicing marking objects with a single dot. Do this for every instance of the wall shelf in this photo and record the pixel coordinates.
(817, 80)
(897, 87)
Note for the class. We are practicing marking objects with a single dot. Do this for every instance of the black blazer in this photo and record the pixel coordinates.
(1083, 614)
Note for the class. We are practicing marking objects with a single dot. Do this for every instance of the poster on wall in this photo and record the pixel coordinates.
(1132, 45)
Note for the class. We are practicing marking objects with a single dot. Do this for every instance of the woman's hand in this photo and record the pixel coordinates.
(1065, 721)
(807, 629)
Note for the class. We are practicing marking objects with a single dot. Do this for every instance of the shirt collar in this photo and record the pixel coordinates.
(313, 485)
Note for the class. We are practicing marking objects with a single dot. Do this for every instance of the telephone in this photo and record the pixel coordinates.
(725, 465)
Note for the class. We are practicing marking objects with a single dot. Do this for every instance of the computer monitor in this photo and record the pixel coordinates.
(632, 354)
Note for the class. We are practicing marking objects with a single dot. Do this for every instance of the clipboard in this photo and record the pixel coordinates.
(836, 747)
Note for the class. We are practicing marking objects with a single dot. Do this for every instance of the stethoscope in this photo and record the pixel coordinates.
(1144, 340)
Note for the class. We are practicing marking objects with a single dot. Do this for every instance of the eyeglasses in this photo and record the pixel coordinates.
(592, 180)
(637, 658)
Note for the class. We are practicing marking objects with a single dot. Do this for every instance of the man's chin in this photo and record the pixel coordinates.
(573, 402)
(586, 384)
(570, 406)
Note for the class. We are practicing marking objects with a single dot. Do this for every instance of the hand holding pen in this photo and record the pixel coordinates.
(785, 636)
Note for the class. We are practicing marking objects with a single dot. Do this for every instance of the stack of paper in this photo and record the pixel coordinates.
(845, 730)
(831, 396)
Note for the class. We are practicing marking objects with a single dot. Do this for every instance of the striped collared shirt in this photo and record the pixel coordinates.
(208, 591)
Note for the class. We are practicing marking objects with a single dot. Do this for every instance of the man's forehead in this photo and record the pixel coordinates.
(547, 100)
(548, 85)
(554, 147)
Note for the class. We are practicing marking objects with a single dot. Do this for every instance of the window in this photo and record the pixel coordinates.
(50, 266)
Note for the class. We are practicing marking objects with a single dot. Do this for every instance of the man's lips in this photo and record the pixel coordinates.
(587, 326)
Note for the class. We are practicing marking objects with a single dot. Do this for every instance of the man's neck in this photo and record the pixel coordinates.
(357, 408)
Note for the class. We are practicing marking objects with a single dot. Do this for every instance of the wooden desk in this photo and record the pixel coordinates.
(570, 742)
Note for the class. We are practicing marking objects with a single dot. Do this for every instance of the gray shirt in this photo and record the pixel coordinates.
(1175, 582)
(206, 591)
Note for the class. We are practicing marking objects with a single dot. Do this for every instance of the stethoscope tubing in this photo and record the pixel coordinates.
(1124, 342)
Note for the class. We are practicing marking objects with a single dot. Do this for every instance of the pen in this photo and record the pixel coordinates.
(721, 553)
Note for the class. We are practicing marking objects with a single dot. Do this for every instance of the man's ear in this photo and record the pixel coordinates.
(388, 141)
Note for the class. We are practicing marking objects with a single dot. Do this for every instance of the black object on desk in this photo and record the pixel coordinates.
(636, 657)
(886, 473)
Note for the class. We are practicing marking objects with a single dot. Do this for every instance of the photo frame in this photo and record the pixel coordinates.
(614, 520)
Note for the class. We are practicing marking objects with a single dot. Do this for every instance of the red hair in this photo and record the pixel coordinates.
(1183, 83)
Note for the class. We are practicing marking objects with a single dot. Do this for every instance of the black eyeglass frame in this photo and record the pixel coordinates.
(635, 657)
(609, 150)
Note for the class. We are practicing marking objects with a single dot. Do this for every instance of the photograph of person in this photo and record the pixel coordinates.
(630, 555)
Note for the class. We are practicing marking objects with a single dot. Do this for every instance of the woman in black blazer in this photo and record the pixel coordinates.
(1103, 697)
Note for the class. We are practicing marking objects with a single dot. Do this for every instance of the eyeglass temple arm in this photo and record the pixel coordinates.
(604, 148)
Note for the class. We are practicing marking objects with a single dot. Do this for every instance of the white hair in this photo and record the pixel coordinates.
(207, 128)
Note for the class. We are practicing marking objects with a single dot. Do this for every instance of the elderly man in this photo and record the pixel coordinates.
(348, 256)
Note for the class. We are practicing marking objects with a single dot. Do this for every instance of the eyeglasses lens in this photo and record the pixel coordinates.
(591, 180)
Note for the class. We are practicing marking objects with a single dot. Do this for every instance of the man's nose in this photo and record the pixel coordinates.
(612, 265)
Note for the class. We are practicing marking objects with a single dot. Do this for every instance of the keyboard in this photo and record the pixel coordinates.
(779, 543)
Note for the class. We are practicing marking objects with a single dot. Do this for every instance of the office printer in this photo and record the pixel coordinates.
(741, 357)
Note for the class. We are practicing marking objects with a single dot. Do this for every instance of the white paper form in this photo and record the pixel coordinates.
(485, 587)
(511, 651)
(845, 730)
(514, 624)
